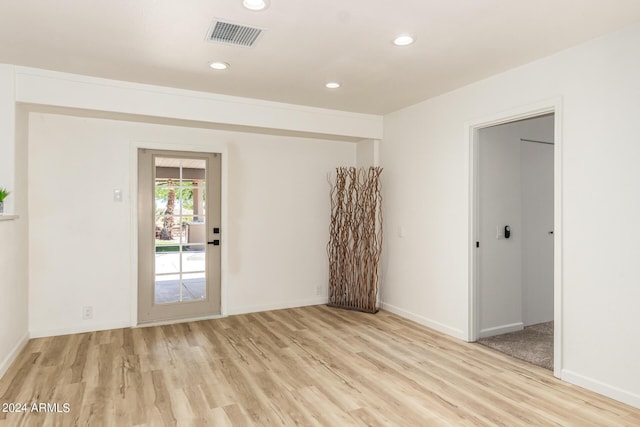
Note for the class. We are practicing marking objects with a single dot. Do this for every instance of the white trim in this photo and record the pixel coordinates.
(175, 321)
(8, 217)
(473, 321)
(88, 327)
(601, 388)
(213, 147)
(278, 306)
(502, 329)
(437, 326)
(517, 113)
(557, 240)
(13, 354)
(471, 134)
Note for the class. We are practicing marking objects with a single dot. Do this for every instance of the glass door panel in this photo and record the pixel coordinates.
(180, 224)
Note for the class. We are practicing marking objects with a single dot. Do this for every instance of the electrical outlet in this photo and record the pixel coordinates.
(87, 312)
(319, 289)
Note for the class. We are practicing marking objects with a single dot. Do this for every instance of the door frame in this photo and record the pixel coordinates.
(209, 148)
(472, 135)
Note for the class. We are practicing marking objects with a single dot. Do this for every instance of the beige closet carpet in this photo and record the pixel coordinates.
(533, 344)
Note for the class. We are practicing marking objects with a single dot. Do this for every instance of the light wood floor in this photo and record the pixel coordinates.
(304, 366)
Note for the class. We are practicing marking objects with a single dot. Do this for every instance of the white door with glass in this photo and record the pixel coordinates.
(178, 235)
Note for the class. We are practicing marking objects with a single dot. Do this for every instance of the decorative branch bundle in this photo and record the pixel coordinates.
(355, 238)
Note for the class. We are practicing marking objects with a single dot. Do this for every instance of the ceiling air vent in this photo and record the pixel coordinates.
(234, 34)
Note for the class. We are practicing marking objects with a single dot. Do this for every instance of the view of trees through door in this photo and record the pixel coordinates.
(180, 240)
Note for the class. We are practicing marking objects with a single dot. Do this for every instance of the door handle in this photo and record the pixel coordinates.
(214, 243)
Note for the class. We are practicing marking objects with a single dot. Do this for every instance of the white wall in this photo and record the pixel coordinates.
(426, 157)
(7, 131)
(367, 153)
(80, 238)
(13, 233)
(536, 164)
(500, 204)
(13, 286)
(515, 189)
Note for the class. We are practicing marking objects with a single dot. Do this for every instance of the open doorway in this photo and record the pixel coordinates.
(514, 232)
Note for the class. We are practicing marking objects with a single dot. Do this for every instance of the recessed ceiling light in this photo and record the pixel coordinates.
(218, 65)
(333, 85)
(255, 4)
(403, 40)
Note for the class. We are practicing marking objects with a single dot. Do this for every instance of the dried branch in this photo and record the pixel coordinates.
(355, 238)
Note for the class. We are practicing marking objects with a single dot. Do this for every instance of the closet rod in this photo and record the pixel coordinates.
(537, 142)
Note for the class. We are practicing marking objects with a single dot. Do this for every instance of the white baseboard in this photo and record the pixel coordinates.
(601, 388)
(440, 327)
(502, 329)
(13, 354)
(277, 306)
(174, 321)
(92, 327)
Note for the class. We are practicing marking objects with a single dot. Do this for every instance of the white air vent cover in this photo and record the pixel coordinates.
(230, 33)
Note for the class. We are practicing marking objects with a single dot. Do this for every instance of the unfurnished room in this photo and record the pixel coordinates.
(335, 213)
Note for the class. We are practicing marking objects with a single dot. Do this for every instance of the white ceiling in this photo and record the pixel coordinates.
(306, 43)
